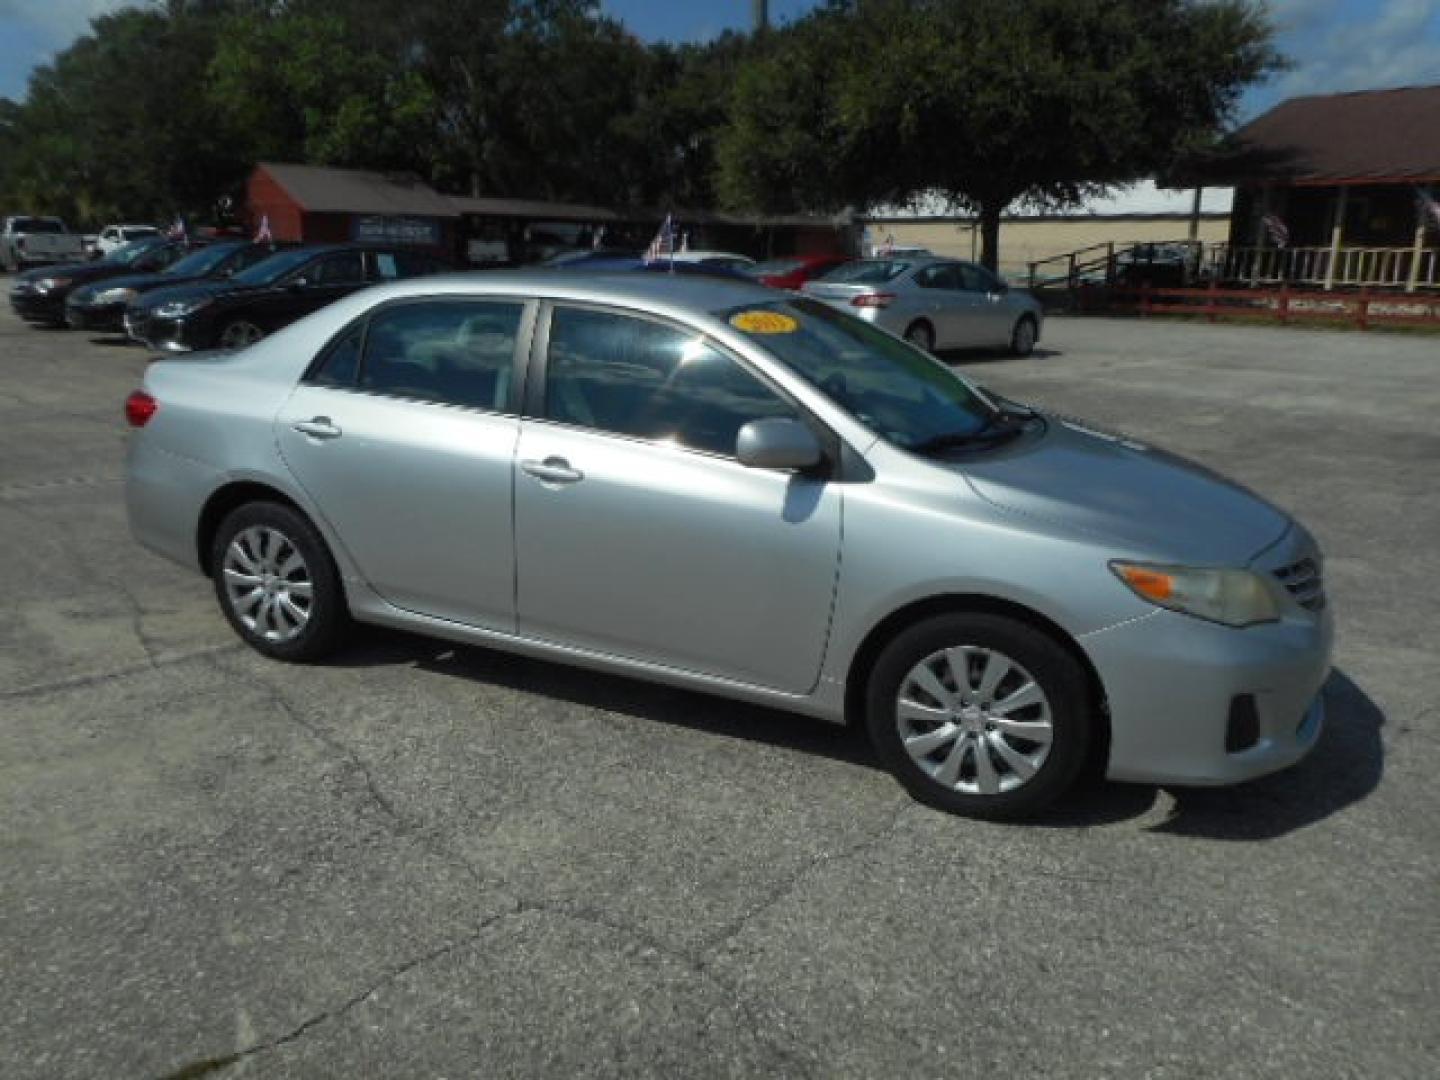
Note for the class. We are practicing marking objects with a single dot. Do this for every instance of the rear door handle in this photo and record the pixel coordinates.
(318, 428)
(553, 470)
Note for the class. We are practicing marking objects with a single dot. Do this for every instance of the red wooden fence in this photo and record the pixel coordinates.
(1364, 308)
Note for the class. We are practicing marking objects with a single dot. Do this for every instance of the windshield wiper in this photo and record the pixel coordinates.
(1004, 424)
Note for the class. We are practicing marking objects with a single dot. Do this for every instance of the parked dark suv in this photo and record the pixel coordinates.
(271, 294)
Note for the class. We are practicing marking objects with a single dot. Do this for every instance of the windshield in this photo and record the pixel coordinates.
(866, 272)
(898, 392)
(39, 225)
(126, 254)
(199, 263)
(268, 271)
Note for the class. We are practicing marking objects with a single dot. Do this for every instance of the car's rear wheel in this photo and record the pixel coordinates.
(1024, 336)
(238, 333)
(980, 714)
(277, 584)
(922, 335)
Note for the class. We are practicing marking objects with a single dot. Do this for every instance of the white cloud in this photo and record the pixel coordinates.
(1394, 43)
(59, 21)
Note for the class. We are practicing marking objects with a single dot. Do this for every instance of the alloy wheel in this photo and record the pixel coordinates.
(240, 333)
(974, 720)
(268, 584)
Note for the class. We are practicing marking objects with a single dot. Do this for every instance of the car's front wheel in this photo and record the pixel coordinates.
(980, 714)
(277, 584)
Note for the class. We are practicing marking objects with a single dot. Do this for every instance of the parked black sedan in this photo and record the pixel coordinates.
(39, 296)
(100, 306)
(271, 294)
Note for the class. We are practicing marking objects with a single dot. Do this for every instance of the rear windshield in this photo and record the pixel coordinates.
(39, 225)
(866, 272)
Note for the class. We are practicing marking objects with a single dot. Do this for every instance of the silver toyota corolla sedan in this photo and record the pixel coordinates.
(745, 492)
(934, 303)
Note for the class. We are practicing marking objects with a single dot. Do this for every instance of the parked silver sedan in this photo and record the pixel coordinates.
(934, 303)
(746, 492)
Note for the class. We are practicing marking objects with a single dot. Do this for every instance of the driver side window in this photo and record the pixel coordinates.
(634, 377)
(346, 268)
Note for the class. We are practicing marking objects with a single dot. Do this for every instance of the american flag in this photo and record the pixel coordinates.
(263, 234)
(1429, 208)
(1279, 232)
(663, 246)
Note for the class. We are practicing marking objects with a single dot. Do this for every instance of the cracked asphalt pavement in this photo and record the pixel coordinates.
(432, 861)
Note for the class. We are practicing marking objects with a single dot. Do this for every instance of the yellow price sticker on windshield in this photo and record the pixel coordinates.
(764, 322)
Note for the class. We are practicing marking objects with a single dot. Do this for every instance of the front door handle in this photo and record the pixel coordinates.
(318, 428)
(553, 470)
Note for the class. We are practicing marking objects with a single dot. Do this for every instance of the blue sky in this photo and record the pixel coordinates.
(1337, 44)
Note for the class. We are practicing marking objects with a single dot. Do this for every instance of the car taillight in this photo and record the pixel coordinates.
(873, 299)
(139, 408)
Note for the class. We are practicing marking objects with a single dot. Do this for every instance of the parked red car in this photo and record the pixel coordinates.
(794, 270)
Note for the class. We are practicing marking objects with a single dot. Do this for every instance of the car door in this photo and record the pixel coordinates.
(992, 324)
(956, 310)
(637, 532)
(403, 433)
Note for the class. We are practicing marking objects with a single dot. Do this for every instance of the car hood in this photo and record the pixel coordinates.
(1149, 502)
(144, 282)
(198, 289)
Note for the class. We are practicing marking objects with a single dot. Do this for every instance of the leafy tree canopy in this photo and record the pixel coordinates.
(985, 102)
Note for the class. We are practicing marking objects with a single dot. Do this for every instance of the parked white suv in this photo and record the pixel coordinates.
(112, 236)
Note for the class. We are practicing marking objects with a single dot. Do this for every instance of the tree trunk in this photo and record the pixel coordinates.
(990, 235)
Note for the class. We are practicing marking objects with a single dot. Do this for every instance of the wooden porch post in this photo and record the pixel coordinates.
(1337, 236)
(1195, 215)
(1259, 242)
(1418, 251)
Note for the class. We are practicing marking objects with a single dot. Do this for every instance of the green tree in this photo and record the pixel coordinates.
(984, 102)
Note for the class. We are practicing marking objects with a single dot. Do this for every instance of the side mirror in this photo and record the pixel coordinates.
(777, 444)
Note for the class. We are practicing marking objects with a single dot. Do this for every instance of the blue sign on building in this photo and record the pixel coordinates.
(413, 231)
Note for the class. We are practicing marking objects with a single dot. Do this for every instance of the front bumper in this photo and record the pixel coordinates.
(1172, 682)
(34, 306)
(166, 335)
(107, 318)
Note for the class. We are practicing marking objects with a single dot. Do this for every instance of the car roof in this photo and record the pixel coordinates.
(695, 292)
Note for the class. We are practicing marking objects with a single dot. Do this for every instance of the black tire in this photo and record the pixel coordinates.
(1053, 669)
(238, 333)
(327, 615)
(1024, 336)
(921, 334)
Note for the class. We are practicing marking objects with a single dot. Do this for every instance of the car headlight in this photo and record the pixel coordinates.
(1232, 597)
(178, 309)
(113, 296)
(46, 284)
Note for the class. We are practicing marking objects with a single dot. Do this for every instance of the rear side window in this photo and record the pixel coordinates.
(340, 363)
(630, 376)
(456, 352)
(343, 269)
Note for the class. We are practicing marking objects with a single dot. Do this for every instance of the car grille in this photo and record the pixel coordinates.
(1304, 581)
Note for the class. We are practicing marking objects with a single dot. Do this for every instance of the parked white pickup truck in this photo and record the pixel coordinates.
(37, 241)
